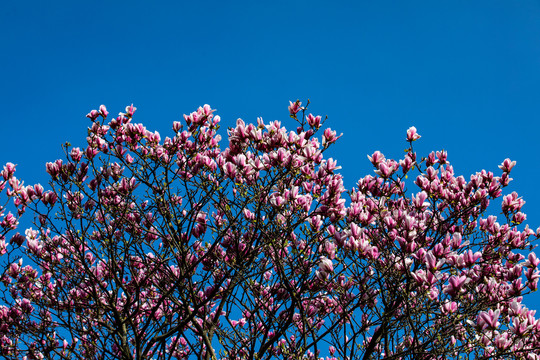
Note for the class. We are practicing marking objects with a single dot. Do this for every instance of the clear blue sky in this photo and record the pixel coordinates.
(465, 73)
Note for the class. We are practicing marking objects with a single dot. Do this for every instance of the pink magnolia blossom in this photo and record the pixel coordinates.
(507, 165)
(325, 265)
(488, 319)
(295, 107)
(103, 111)
(412, 135)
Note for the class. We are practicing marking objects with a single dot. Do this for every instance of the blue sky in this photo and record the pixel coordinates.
(465, 73)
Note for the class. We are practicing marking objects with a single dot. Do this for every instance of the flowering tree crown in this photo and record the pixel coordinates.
(175, 248)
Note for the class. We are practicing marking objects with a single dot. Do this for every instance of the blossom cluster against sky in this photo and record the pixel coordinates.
(466, 74)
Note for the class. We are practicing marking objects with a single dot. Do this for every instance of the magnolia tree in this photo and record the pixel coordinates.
(182, 248)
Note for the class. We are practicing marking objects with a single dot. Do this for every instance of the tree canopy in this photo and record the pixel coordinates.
(187, 247)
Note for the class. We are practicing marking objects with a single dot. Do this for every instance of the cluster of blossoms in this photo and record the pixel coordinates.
(174, 248)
